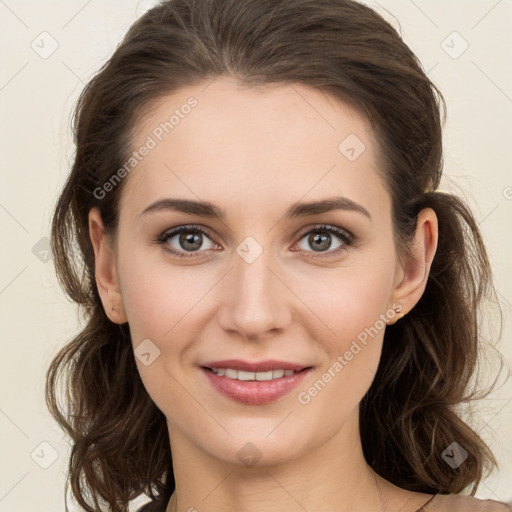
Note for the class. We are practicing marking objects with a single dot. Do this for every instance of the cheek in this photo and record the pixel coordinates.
(348, 301)
(353, 311)
(350, 306)
(159, 297)
(161, 302)
(165, 304)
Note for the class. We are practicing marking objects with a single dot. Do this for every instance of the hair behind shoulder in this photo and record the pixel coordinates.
(428, 365)
(119, 437)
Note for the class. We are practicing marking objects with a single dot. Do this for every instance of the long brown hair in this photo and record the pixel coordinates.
(120, 443)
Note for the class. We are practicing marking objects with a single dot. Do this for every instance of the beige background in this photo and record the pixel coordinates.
(37, 93)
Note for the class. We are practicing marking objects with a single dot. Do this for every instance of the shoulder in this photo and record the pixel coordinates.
(459, 503)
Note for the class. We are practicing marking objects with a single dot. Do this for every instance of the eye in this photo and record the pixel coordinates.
(185, 239)
(320, 239)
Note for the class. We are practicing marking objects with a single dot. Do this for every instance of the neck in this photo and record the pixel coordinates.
(332, 476)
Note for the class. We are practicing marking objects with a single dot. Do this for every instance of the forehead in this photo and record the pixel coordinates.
(224, 141)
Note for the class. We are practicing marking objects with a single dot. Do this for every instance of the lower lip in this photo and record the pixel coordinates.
(254, 392)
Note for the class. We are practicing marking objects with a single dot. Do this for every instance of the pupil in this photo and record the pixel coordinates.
(320, 242)
(191, 241)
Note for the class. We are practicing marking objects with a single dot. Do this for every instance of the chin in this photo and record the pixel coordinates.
(253, 454)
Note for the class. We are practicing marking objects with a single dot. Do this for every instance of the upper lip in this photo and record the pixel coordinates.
(256, 366)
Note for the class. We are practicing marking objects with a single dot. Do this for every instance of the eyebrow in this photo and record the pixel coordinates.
(296, 210)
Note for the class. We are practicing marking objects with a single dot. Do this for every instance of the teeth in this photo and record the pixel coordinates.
(264, 375)
(245, 375)
(231, 373)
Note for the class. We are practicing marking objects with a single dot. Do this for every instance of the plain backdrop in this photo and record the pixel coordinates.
(51, 49)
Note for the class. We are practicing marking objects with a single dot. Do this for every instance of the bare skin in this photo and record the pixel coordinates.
(254, 153)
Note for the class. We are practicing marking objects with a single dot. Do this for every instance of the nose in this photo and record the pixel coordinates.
(257, 302)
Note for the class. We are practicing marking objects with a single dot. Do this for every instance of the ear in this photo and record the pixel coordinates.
(105, 270)
(413, 275)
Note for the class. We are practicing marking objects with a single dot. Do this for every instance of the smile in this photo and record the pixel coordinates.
(255, 387)
(231, 373)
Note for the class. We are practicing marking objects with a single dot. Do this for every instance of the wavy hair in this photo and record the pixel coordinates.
(120, 443)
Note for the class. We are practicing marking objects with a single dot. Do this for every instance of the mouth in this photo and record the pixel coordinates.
(232, 373)
(254, 383)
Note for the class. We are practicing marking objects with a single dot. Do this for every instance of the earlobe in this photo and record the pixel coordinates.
(105, 271)
(417, 267)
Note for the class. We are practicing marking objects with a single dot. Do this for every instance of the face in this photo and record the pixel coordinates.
(256, 277)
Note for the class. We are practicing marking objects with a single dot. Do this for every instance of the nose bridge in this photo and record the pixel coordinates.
(257, 301)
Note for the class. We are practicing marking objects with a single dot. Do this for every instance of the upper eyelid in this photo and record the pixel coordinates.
(171, 232)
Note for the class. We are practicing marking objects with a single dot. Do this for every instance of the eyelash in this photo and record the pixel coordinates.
(347, 238)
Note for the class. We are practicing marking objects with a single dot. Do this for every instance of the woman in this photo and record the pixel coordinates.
(276, 291)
